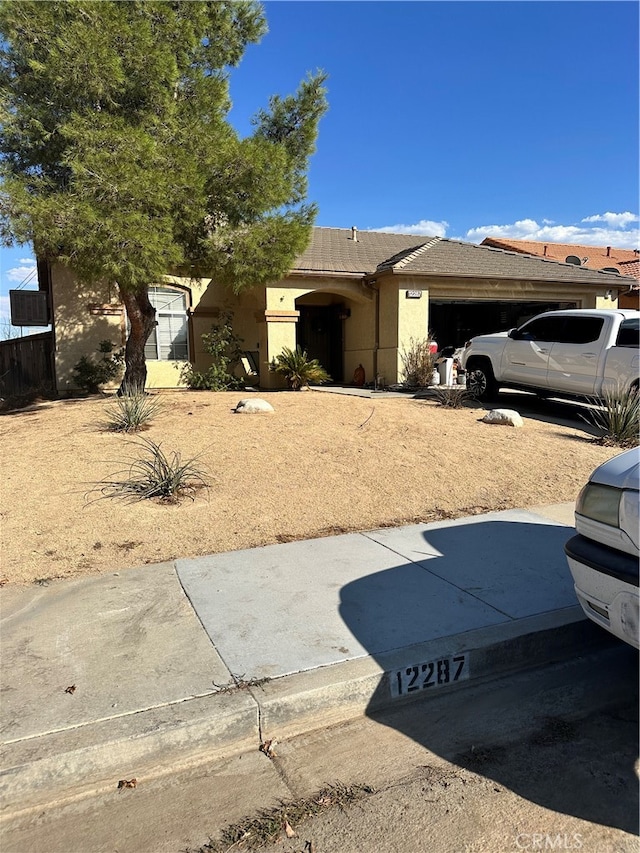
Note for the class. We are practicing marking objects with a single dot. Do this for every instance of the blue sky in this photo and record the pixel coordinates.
(464, 119)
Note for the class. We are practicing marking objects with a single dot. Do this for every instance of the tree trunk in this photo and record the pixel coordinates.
(142, 321)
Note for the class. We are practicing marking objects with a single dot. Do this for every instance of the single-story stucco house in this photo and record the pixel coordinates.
(352, 298)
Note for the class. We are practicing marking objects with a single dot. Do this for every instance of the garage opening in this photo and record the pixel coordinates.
(453, 323)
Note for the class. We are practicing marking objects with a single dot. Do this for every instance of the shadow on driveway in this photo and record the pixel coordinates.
(518, 570)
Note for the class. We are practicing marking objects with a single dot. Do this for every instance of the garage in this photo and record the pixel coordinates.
(453, 322)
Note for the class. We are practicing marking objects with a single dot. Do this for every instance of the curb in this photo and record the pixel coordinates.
(82, 761)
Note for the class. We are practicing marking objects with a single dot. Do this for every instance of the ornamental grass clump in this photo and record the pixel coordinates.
(299, 370)
(617, 417)
(131, 414)
(155, 475)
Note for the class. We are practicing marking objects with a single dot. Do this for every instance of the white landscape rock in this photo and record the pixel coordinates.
(507, 417)
(253, 406)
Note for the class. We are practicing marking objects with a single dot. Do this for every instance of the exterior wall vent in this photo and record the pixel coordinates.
(29, 308)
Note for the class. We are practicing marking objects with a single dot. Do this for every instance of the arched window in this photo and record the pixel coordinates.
(169, 339)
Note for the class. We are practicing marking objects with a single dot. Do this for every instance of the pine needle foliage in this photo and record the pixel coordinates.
(117, 157)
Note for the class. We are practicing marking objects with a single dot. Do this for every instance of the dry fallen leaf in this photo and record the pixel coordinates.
(289, 830)
(127, 783)
(267, 747)
(70, 689)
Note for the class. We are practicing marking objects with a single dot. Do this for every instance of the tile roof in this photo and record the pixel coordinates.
(630, 268)
(333, 250)
(592, 257)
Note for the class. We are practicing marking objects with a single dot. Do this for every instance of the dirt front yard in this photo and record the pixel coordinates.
(321, 464)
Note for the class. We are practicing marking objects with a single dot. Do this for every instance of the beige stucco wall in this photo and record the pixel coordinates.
(402, 320)
(501, 289)
(83, 321)
(266, 318)
(84, 317)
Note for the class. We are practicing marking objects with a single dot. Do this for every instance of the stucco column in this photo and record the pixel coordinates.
(404, 314)
(278, 331)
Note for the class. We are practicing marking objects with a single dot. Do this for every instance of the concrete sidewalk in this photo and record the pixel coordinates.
(137, 672)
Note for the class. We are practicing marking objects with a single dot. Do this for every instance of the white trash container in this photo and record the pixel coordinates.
(445, 369)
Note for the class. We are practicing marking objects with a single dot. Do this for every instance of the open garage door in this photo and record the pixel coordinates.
(452, 322)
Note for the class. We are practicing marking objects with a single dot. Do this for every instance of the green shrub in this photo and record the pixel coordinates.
(90, 374)
(418, 363)
(617, 417)
(131, 413)
(224, 347)
(299, 370)
(155, 475)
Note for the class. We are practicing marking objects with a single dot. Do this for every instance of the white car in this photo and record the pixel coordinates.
(604, 555)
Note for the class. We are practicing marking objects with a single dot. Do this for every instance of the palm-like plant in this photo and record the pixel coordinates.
(299, 370)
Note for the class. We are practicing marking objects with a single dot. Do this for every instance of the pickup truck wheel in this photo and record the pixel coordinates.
(481, 381)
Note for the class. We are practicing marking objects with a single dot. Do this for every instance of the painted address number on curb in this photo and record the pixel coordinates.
(422, 676)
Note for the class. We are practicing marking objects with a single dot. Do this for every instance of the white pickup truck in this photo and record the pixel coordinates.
(577, 353)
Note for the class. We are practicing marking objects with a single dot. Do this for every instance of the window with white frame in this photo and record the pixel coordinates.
(169, 339)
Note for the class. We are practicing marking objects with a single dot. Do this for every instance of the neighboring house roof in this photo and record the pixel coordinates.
(631, 268)
(593, 257)
(334, 250)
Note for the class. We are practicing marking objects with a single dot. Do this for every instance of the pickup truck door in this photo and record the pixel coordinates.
(525, 358)
(574, 362)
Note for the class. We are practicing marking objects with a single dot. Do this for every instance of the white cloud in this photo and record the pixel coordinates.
(27, 269)
(613, 220)
(423, 228)
(613, 234)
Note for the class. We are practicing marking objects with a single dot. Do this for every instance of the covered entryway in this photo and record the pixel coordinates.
(453, 322)
(320, 333)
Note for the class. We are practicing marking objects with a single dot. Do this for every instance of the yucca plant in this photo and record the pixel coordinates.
(299, 370)
(130, 414)
(617, 417)
(155, 475)
(452, 397)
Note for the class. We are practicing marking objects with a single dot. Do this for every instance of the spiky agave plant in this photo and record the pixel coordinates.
(299, 370)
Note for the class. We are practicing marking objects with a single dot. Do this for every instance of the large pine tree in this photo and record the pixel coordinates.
(117, 157)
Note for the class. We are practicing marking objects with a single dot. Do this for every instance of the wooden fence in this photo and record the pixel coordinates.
(26, 364)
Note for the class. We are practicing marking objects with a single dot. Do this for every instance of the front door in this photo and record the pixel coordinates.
(319, 332)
